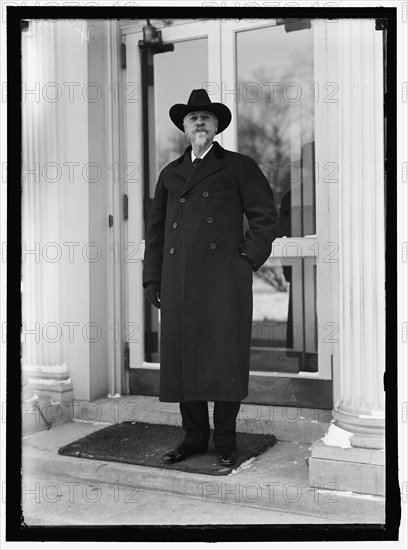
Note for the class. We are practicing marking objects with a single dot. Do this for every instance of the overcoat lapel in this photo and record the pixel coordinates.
(212, 162)
(184, 166)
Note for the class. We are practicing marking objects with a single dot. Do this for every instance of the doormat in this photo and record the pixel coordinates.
(145, 444)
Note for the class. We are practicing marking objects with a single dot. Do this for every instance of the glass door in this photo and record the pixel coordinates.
(193, 63)
(275, 127)
(269, 82)
(270, 79)
(173, 85)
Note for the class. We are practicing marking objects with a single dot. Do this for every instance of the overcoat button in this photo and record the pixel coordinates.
(213, 246)
(209, 220)
(172, 251)
(182, 199)
(175, 225)
(205, 194)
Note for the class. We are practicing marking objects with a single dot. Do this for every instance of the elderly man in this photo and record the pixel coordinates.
(198, 269)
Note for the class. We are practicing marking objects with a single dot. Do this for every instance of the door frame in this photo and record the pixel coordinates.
(133, 306)
(309, 246)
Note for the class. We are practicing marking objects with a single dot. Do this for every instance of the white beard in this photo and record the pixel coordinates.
(200, 142)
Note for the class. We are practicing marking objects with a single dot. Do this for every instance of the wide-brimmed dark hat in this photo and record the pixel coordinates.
(199, 101)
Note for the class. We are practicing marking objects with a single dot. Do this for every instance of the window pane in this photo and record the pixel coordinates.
(275, 115)
(173, 83)
(275, 125)
(284, 327)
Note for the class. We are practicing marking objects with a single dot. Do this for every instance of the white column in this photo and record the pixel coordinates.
(350, 455)
(42, 331)
(361, 233)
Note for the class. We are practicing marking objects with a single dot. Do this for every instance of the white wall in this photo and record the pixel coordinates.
(73, 131)
(100, 153)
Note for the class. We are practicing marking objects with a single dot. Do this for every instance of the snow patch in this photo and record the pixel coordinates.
(48, 381)
(33, 398)
(337, 437)
(360, 495)
(49, 368)
(99, 423)
(245, 465)
(373, 414)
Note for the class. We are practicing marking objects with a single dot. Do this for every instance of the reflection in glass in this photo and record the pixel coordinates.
(284, 327)
(275, 122)
(275, 115)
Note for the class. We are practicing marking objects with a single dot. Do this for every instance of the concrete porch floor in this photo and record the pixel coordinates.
(270, 489)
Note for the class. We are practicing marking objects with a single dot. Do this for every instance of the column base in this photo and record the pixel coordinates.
(347, 469)
(52, 382)
(367, 428)
(58, 392)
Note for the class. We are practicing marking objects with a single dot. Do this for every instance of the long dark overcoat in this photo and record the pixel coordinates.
(193, 241)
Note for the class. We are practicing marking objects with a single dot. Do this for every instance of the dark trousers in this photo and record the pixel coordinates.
(197, 426)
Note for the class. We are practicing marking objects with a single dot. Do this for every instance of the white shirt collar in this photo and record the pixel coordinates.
(193, 157)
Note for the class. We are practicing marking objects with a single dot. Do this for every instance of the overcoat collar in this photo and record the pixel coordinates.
(212, 162)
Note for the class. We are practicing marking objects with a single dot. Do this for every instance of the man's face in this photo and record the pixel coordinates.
(200, 127)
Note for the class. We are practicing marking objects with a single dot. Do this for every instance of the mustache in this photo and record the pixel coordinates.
(200, 129)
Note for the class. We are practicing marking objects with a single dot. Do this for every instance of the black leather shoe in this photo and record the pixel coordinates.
(227, 458)
(179, 454)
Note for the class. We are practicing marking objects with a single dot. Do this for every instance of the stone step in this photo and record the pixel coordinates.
(277, 480)
(58, 500)
(286, 423)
